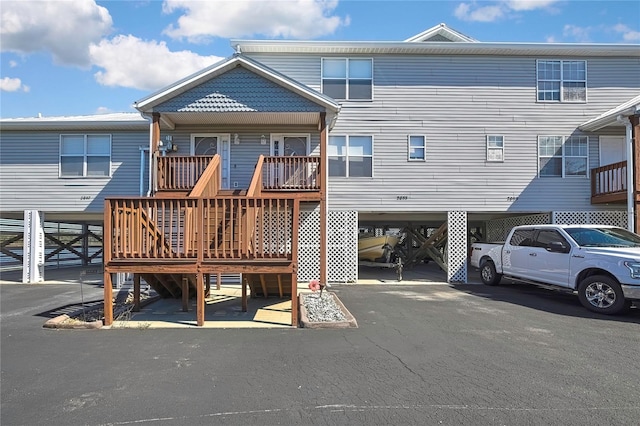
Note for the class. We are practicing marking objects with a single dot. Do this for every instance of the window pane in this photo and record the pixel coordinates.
(549, 91)
(494, 154)
(550, 146)
(551, 167)
(336, 89)
(359, 89)
(337, 145)
(495, 141)
(522, 237)
(71, 166)
(360, 167)
(574, 92)
(360, 145)
(416, 148)
(98, 166)
(575, 166)
(576, 146)
(337, 166)
(416, 153)
(574, 70)
(334, 68)
(360, 68)
(98, 144)
(73, 145)
(549, 70)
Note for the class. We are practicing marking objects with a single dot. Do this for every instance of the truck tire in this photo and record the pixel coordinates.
(488, 273)
(603, 295)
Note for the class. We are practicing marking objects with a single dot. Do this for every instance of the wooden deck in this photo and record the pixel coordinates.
(609, 183)
(192, 228)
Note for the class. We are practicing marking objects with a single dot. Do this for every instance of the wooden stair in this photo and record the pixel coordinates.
(269, 285)
(170, 285)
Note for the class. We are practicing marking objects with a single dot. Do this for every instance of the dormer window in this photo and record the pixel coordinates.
(345, 78)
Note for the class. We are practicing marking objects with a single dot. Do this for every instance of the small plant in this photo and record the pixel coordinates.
(315, 285)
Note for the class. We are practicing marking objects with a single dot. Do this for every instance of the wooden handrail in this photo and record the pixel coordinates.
(255, 187)
(209, 182)
(180, 173)
(609, 179)
(299, 173)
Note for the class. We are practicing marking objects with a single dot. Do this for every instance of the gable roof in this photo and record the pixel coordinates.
(440, 33)
(148, 103)
(608, 118)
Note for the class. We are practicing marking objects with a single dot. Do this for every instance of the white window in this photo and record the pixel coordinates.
(562, 81)
(495, 148)
(350, 156)
(85, 155)
(417, 148)
(560, 156)
(347, 78)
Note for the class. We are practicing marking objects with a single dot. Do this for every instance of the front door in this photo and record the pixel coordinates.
(291, 173)
(211, 144)
(612, 150)
(290, 145)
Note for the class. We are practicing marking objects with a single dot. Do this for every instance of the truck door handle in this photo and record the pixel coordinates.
(532, 254)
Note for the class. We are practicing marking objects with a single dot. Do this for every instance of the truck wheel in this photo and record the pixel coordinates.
(488, 274)
(602, 294)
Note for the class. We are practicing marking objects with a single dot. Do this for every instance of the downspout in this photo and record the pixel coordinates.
(150, 118)
(630, 169)
(142, 150)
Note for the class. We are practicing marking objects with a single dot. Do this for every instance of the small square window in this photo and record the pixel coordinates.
(495, 148)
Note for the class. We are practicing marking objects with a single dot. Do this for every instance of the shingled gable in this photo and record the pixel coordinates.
(440, 33)
(237, 84)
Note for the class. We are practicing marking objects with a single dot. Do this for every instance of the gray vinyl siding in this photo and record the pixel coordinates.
(455, 101)
(29, 172)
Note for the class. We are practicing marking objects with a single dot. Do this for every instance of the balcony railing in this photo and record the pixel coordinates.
(291, 173)
(180, 173)
(609, 182)
(200, 229)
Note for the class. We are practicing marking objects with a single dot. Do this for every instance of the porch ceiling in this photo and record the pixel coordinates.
(240, 118)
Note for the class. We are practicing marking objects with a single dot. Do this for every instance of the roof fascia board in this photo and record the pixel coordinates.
(381, 47)
(608, 118)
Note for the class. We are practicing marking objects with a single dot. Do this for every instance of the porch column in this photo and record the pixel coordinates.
(200, 299)
(294, 254)
(108, 298)
(324, 170)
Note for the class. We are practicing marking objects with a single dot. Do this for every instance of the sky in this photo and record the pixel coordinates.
(83, 57)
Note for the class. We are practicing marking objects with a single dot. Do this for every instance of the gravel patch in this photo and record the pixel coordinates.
(322, 308)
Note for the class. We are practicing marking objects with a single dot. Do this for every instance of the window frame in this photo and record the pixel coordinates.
(347, 78)
(346, 156)
(85, 155)
(564, 157)
(494, 148)
(561, 81)
(424, 148)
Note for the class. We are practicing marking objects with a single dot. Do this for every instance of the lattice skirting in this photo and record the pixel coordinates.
(457, 236)
(342, 242)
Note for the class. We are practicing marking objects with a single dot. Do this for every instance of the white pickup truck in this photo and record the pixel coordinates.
(601, 263)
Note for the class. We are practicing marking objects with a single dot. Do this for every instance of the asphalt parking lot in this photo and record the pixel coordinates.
(423, 354)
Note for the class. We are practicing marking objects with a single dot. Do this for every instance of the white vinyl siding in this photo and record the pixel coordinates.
(344, 78)
(85, 156)
(351, 156)
(495, 148)
(562, 81)
(563, 156)
(417, 148)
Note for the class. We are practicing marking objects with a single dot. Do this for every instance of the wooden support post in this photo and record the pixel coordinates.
(263, 283)
(108, 299)
(323, 198)
(136, 292)
(185, 294)
(207, 285)
(199, 299)
(294, 256)
(218, 280)
(294, 299)
(243, 282)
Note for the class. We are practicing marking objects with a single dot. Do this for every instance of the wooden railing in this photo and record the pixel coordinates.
(200, 229)
(210, 181)
(608, 180)
(291, 173)
(180, 173)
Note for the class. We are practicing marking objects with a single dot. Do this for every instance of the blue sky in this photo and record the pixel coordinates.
(81, 57)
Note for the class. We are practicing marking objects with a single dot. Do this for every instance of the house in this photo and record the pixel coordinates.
(269, 162)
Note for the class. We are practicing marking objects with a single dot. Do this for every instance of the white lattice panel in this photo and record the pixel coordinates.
(498, 229)
(342, 242)
(613, 218)
(457, 247)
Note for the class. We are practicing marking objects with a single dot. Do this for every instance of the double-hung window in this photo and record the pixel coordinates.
(345, 78)
(85, 155)
(560, 156)
(495, 148)
(417, 148)
(350, 156)
(562, 81)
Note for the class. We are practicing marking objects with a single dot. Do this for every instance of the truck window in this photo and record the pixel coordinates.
(545, 237)
(522, 237)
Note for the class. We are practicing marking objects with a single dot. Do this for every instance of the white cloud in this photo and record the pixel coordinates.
(8, 84)
(13, 64)
(628, 34)
(63, 28)
(103, 110)
(301, 19)
(483, 12)
(579, 34)
(128, 61)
